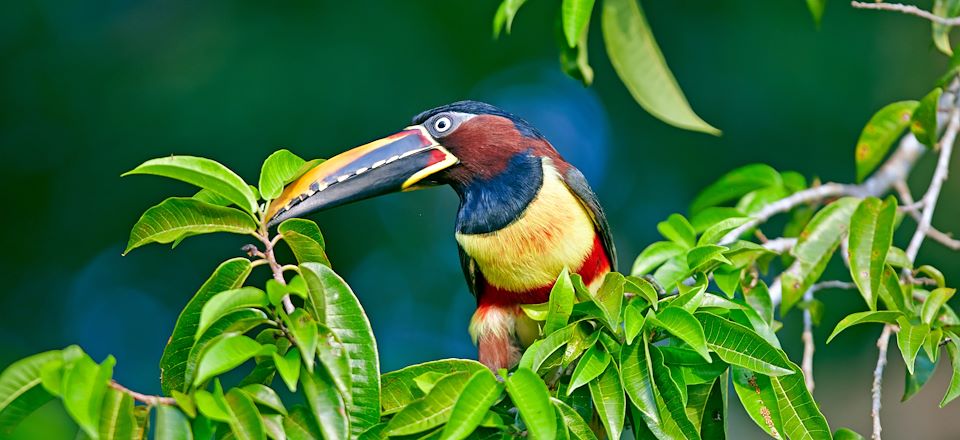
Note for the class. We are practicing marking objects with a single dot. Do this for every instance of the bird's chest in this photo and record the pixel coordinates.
(552, 232)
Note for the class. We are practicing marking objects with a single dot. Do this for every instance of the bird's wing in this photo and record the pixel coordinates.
(471, 273)
(578, 184)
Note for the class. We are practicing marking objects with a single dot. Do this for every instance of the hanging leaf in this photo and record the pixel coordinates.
(933, 303)
(205, 173)
(941, 33)
(640, 65)
(909, 339)
(325, 402)
(739, 345)
(576, 17)
(117, 421)
(245, 422)
(923, 369)
(609, 401)
(879, 134)
(759, 400)
(953, 350)
(671, 392)
(817, 243)
(871, 234)
(288, 366)
(532, 399)
(560, 304)
(816, 8)
(172, 424)
(923, 125)
(578, 427)
(505, 14)
(177, 217)
(801, 416)
(574, 60)
(479, 394)
(881, 316)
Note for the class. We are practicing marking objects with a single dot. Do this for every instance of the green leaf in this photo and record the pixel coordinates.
(643, 287)
(116, 416)
(399, 389)
(923, 125)
(892, 294)
(941, 33)
(882, 316)
(717, 231)
(84, 386)
(574, 60)
(186, 403)
(300, 425)
(142, 415)
(759, 400)
(739, 345)
(202, 172)
(576, 17)
(879, 134)
(305, 240)
(505, 14)
(532, 399)
(609, 298)
(817, 243)
(541, 350)
(326, 403)
(172, 424)
(736, 184)
(870, 237)
(638, 382)
(303, 328)
(639, 63)
(633, 320)
(239, 321)
(846, 434)
(801, 416)
(229, 301)
(225, 353)
(273, 425)
(677, 229)
(931, 345)
(705, 257)
(575, 423)
(335, 358)
(592, 364)
(671, 393)
(609, 401)
(288, 366)
(953, 350)
(560, 304)
(896, 257)
(816, 10)
(922, 372)
(245, 422)
(685, 327)
(758, 297)
(266, 396)
(431, 411)
(933, 273)
(279, 169)
(910, 339)
(21, 392)
(173, 364)
(179, 216)
(478, 395)
(655, 255)
(346, 318)
(933, 303)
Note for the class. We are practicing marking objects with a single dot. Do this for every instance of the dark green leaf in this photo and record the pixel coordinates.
(882, 316)
(871, 233)
(172, 424)
(326, 403)
(346, 318)
(202, 172)
(638, 61)
(179, 216)
(305, 240)
(279, 169)
(923, 369)
(245, 422)
(473, 404)
(879, 134)
(739, 345)
(816, 245)
(924, 122)
(229, 275)
(670, 392)
(532, 399)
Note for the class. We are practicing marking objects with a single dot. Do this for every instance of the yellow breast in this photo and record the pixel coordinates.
(555, 231)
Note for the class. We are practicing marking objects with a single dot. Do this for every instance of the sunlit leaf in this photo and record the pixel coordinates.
(288, 366)
(326, 403)
(717, 231)
(266, 396)
(705, 257)
(473, 404)
(225, 353)
(335, 358)
(933, 303)
(245, 422)
(736, 184)
(923, 125)
(560, 304)
(684, 326)
(609, 400)
(941, 32)
(278, 169)
(305, 240)
(881, 316)
(802, 418)
(575, 423)
(759, 399)
(871, 233)
(229, 301)
(21, 392)
(300, 425)
(953, 350)
(116, 416)
(739, 345)
(816, 10)
(83, 389)
(609, 298)
(202, 172)
(910, 338)
(880, 133)
(532, 399)
(677, 229)
(592, 364)
(541, 350)
(638, 61)
(576, 16)
(505, 14)
(229, 275)
(179, 216)
(816, 245)
(670, 392)
(655, 255)
(399, 389)
(172, 424)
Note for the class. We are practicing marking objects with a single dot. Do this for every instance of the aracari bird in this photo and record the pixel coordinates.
(525, 213)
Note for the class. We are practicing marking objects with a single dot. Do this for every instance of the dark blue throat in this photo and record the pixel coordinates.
(492, 204)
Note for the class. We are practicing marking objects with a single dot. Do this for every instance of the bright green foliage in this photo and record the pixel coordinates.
(205, 173)
(179, 217)
(870, 237)
(279, 169)
(879, 134)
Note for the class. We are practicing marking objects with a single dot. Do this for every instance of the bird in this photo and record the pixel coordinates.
(525, 213)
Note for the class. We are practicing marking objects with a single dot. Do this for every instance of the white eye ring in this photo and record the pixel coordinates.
(442, 124)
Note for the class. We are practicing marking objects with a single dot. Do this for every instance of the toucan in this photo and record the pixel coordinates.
(525, 213)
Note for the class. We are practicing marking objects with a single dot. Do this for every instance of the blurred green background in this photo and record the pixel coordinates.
(91, 89)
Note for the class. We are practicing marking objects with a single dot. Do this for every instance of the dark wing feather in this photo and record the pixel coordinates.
(471, 273)
(578, 184)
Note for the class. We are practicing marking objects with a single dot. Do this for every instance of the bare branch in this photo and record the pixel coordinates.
(808, 345)
(780, 245)
(882, 345)
(932, 195)
(145, 398)
(275, 267)
(909, 10)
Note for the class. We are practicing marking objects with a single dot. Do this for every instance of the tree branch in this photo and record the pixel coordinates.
(275, 267)
(882, 345)
(145, 398)
(913, 210)
(932, 195)
(909, 10)
(806, 365)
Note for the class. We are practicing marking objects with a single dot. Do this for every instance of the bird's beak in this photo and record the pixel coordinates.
(394, 163)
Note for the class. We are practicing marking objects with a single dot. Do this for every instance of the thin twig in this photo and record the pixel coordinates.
(832, 284)
(882, 345)
(808, 345)
(932, 195)
(780, 245)
(140, 397)
(909, 10)
(275, 267)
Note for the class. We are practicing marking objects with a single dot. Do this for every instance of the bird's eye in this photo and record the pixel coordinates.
(442, 124)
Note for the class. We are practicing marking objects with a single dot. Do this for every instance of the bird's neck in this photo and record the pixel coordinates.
(488, 205)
